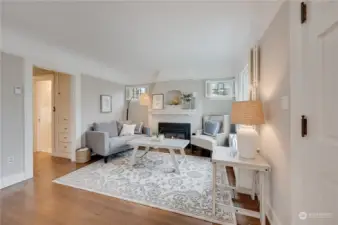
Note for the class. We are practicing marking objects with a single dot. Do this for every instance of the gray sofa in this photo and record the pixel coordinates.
(103, 138)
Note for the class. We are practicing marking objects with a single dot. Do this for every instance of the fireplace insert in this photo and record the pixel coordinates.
(175, 130)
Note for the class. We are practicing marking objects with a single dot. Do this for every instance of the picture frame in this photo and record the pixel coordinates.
(220, 89)
(158, 101)
(106, 103)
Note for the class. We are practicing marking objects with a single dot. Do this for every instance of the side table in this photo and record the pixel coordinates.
(224, 156)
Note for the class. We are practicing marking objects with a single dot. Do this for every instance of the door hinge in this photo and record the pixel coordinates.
(303, 12)
(54, 109)
(304, 126)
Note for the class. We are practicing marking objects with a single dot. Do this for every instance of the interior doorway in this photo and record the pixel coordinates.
(43, 113)
(51, 115)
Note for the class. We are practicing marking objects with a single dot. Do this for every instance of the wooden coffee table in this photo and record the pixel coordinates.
(169, 144)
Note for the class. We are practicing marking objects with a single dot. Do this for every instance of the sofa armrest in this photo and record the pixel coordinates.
(146, 130)
(221, 139)
(98, 142)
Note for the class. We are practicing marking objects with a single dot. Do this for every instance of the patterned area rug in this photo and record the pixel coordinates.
(147, 183)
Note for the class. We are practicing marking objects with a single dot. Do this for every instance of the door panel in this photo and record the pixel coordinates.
(63, 97)
(318, 193)
(43, 115)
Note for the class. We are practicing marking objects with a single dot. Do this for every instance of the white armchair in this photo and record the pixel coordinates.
(208, 142)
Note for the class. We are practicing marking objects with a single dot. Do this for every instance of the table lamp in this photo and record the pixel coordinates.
(247, 113)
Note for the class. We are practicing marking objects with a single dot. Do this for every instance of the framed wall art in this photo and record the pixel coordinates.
(158, 101)
(105, 103)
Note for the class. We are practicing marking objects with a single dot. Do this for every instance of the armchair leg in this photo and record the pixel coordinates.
(105, 159)
(193, 148)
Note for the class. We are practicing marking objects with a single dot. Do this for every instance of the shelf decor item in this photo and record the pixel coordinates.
(187, 100)
(158, 101)
(247, 113)
(105, 103)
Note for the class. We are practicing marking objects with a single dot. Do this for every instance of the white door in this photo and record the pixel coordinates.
(317, 161)
(43, 98)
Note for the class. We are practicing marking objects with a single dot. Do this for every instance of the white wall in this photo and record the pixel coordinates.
(34, 52)
(204, 106)
(91, 89)
(275, 134)
(12, 117)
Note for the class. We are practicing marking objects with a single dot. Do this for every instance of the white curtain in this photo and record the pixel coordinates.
(247, 89)
(242, 83)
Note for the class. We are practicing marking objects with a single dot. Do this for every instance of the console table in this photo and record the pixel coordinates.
(224, 156)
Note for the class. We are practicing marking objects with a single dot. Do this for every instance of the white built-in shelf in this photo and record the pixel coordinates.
(172, 111)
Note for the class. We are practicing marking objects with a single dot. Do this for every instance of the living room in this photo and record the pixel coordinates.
(176, 113)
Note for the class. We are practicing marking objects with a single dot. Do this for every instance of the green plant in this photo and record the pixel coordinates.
(186, 97)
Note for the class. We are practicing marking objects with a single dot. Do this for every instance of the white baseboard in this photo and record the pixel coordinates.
(272, 216)
(13, 179)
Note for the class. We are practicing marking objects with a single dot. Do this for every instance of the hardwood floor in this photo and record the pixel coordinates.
(40, 202)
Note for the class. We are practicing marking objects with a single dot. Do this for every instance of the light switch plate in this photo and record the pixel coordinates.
(17, 90)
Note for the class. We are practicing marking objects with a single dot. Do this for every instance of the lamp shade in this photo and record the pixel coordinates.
(247, 113)
(144, 99)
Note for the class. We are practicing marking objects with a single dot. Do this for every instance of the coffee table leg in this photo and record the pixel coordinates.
(174, 161)
(184, 155)
(214, 168)
(133, 156)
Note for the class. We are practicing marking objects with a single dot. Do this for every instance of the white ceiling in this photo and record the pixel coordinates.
(145, 40)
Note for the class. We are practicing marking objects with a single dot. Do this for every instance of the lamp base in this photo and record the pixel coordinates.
(247, 138)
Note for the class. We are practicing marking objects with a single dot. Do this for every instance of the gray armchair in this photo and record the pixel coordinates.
(209, 142)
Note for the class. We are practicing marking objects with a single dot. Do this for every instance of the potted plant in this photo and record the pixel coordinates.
(186, 100)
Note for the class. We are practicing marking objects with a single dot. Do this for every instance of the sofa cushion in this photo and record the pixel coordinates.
(121, 141)
(204, 141)
(211, 128)
(116, 142)
(126, 139)
(110, 127)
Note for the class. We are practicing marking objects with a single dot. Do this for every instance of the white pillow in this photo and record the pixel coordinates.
(128, 129)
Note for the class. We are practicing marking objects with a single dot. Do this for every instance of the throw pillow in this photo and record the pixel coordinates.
(120, 125)
(138, 128)
(110, 127)
(128, 129)
(211, 128)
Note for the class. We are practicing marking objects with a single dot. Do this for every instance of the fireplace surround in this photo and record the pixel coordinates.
(175, 130)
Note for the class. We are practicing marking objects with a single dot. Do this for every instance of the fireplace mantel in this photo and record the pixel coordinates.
(172, 110)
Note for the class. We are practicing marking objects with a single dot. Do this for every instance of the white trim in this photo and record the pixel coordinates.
(272, 216)
(76, 129)
(28, 116)
(0, 118)
(13, 179)
(28, 119)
